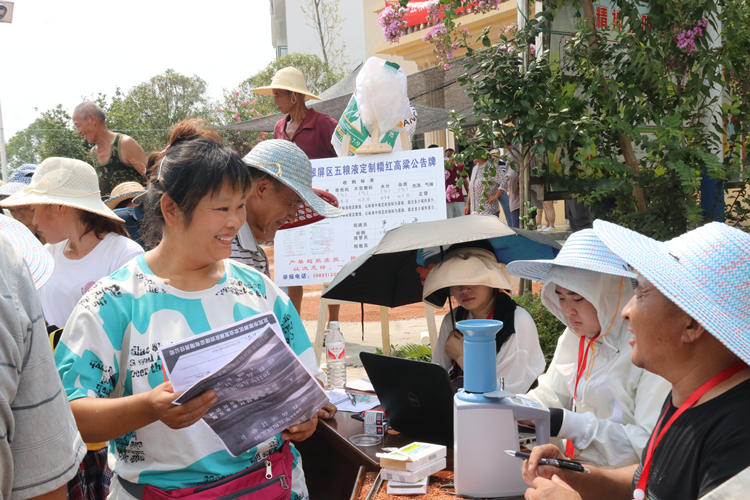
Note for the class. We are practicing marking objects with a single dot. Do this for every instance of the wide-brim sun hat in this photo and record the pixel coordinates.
(287, 163)
(39, 261)
(582, 250)
(63, 181)
(19, 179)
(289, 78)
(463, 267)
(124, 191)
(705, 272)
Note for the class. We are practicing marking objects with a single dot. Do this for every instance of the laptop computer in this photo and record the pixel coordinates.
(417, 396)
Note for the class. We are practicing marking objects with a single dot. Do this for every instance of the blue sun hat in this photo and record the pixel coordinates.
(705, 272)
(19, 179)
(286, 162)
(582, 250)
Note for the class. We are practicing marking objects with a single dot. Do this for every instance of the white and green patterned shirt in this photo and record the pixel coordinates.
(109, 349)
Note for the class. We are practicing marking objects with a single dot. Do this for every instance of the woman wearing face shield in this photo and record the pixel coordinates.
(602, 407)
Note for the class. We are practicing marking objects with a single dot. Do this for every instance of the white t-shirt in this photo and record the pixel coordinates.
(71, 278)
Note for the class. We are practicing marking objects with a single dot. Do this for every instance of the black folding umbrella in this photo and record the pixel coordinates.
(391, 273)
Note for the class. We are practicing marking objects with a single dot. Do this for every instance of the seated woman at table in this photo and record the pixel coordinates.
(479, 283)
(602, 406)
(184, 286)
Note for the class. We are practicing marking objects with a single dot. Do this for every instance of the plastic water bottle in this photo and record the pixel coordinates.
(336, 357)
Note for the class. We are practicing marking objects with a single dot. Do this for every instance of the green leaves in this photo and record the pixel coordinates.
(637, 87)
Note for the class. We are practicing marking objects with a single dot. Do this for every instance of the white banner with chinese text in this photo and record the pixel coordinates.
(378, 192)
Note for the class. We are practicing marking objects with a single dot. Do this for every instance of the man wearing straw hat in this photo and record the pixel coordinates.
(308, 129)
(690, 317)
(282, 181)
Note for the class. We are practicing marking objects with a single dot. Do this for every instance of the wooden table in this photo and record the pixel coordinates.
(332, 462)
(335, 468)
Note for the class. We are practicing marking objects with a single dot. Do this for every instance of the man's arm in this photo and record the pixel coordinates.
(612, 484)
(132, 153)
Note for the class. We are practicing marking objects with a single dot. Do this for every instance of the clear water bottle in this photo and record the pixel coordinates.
(336, 357)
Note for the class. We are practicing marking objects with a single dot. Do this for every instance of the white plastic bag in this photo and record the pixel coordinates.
(380, 98)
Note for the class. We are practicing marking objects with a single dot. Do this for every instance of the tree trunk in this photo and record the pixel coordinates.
(626, 145)
(316, 6)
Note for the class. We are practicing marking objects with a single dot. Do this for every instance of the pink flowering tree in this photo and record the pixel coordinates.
(648, 104)
(442, 15)
(241, 104)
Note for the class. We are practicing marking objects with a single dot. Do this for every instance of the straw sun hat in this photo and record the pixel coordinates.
(288, 78)
(582, 250)
(705, 272)
(286, 162)
(63, 181)
(464, 266)
(124, 191)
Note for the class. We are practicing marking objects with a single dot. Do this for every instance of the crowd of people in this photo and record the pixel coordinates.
(648, 383)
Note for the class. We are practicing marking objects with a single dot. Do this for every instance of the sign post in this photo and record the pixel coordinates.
(6, 16)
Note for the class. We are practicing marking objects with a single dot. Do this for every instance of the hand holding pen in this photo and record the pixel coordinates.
(555, 462)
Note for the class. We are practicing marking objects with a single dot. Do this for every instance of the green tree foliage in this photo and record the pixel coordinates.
(147, 111)
(240, 104)
(52, 134)
(626, 118)
(548, 326)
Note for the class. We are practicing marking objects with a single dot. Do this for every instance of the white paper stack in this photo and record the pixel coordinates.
(413, 462)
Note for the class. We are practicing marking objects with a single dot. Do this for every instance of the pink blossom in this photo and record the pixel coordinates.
(236, 94)
(393, 21)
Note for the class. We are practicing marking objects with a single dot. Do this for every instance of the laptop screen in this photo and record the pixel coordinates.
(417, 396)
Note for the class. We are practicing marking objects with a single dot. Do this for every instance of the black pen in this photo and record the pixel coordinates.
(556, 462)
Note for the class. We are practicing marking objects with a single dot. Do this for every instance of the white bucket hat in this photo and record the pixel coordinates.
(286, 162)
(706, 272)
(582, 250)
(464, 266)
(39, 261)
(289, 78)
(63, 181)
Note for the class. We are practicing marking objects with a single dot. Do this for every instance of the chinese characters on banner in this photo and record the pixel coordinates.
(378, 192)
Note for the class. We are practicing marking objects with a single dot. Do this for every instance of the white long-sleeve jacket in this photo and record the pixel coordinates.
(618, 403)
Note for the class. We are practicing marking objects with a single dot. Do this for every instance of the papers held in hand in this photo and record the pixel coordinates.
(261, 385)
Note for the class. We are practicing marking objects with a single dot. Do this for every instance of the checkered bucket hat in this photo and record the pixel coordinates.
(582, 250)
(706, 272)
(19, 179)
(37, 258)
(286, 162)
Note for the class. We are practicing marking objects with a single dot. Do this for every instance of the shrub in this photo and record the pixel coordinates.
(410, 351)
(547, 325)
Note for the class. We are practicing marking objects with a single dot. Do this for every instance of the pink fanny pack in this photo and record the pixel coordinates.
(269, 479)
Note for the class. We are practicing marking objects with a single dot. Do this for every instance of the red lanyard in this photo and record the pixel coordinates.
(640, 490)
(583, 355)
